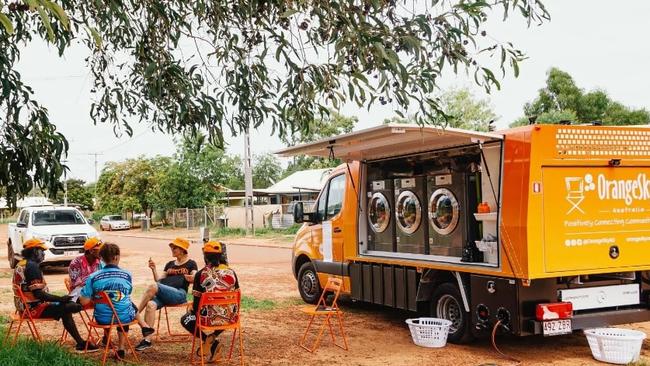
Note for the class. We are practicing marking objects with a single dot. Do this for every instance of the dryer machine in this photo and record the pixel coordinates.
(410, 215)
(381, 223)
(447, 211)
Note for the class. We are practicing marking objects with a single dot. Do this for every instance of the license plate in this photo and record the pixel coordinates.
(70, 253)
(556, 327)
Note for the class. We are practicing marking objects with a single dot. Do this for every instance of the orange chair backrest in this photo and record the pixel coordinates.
(68, 283)
(333, 285)
(18, 292)
(220, 298)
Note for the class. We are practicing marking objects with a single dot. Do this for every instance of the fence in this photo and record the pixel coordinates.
(273, 216)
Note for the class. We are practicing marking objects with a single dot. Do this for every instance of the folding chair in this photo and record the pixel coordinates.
(25, 316)
(84, 311)
(186, 305)
(102, 298)
(226, 298)
(327, 311)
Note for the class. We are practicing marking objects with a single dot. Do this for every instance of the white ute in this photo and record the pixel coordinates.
(63, 229)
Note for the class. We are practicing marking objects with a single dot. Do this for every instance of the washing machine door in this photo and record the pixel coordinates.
(378, 212)
(443, 211)
(408, 211)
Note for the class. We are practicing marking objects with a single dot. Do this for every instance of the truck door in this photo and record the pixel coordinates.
(21, 227)
(327, 233)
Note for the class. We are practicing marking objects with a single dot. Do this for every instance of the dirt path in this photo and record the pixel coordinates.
(377, 336)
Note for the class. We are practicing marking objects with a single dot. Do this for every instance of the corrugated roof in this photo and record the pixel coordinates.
(304, 180)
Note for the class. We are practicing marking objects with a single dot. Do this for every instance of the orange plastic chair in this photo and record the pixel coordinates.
(327, 311)
(102, 298)
(226, 298)
(174, 336)
(84, 311)
(25, 316)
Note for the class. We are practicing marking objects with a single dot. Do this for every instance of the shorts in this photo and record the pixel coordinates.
(168, 295)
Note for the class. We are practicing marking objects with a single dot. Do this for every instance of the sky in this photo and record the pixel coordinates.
(600, 44)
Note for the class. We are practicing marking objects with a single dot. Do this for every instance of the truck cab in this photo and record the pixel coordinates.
(63, 229)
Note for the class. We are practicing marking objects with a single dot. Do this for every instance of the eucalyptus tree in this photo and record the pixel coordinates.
(226, 66)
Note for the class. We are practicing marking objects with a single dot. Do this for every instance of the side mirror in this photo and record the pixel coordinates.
(91, 221)
(298, 213)
(21, 224)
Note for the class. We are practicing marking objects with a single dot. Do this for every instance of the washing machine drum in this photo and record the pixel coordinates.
(378, 212)
(443, 211)
(409, 212)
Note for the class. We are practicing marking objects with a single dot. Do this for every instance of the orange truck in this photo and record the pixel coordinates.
(541, 229)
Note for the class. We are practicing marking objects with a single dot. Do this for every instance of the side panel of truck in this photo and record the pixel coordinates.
(600, 213)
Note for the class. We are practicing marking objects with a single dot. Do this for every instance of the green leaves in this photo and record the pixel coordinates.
(6, 23)
(215, 67)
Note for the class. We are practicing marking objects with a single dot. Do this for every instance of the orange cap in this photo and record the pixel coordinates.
(180, 243)
(212, 246)
(92, 242)
(34, 243)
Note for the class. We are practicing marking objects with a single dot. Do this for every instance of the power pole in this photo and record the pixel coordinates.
(95, 154)
(65, 187)
(248, 184)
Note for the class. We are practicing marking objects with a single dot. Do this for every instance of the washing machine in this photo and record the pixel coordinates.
(410, 215)
(381, 223)
(447, 212)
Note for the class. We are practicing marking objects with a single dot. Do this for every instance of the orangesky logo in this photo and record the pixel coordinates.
(576, 188)
(626, 190)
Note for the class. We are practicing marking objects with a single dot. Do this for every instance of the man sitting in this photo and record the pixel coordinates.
(84, 265)
(170, 288)
(40, 302)
(118, 285)
(216, 276)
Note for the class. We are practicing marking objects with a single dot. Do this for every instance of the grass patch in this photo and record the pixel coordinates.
(29, 352)
(4, 319)
(249, 303)
(259, 232)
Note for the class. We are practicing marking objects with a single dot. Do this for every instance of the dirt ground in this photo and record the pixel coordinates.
(376, 335)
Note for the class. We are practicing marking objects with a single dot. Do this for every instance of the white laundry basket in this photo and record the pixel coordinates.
(615, 345)
(429, 332)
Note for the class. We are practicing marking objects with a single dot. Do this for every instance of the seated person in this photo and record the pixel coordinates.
(216, 276)
(84, 265)
(41, 303)
(171, 287)
(117, 284)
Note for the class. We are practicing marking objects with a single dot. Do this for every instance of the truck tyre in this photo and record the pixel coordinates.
(447, 303)
(11, 256)
(308, 284)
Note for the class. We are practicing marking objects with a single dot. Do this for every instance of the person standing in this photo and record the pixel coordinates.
(118, 285)
(84, 265)
(170, 287)
(41, 303)
(216, 276)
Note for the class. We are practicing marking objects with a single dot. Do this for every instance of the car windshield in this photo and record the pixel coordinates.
(115, 218)
(57, 217)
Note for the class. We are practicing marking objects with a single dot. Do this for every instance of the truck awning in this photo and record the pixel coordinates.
(389, 140)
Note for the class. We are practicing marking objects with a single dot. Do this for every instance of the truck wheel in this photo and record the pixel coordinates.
(308, 284)
(11, 256)
(447, 303)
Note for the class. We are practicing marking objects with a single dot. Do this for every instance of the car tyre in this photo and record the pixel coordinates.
(11, 256)
(308, 283)
(447, 303)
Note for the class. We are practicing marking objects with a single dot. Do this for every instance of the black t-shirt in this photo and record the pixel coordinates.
(175, 274)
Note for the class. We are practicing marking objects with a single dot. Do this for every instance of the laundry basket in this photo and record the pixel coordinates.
(615, 345)
(429, 332)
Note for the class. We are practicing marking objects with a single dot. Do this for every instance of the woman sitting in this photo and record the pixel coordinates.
(216, 276)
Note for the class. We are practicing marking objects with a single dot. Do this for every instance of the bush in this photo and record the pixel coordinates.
(29, 352)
